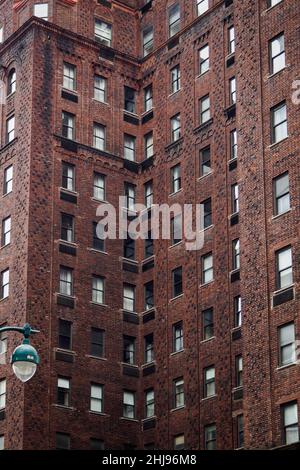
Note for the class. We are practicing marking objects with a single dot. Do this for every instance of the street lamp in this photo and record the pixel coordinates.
(25, 358)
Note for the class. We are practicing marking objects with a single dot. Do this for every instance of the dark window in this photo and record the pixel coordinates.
(129, 100)
(148, 190)
(98, 241)
(129, 248)
(205, 161)
(147, 41)
(96, 444)
(66, 281)
(99, 187)
(68, 176)
(176, 229)
(149, 348)
(62, 441)
(148, 145)
(236, 254)
(208, 323)
(97, 342)
(207, 213)
(149, 295)
(178, 337)
(148, 98)
(68, 125)
(149, 245)
(129, 350)
(175, 79)
(177, 282)
(64, 334)
(233, 145)
(240, 431)
(67, 228)
(129, 190)
(210, 437)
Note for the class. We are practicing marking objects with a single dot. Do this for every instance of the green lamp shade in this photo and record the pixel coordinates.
(24, 361)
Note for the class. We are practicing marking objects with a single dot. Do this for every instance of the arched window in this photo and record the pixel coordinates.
(12, 81)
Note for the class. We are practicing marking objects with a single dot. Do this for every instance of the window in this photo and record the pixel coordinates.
(284, 268)
(100, 88)
(149, 403)
(62, 441)
(1, 34)
(175, 79)
(148, 98)
(97, 342)
(175, 128)
(66, 281)
(236, 254)
(207, 213)
(98, 237)
(68, 125)
(178, 337)
(178, 387)
(281, 194)
(207, 268)
(149, 348)
(148, 191)
(2, 393)
(279, 123)
(98, 290)
(63, 391)
(179, 442)
(130, 196)
(149, 245)
(233, 145)
(4, 287)
(69, 78)
(240, 431)
(202, 6)
(204, 109)
(96, 444)
(234, 198)
(148, 143)
(1, 442)
(239, 371)
(232, 90)
(129, 248)
(231, 40)
(129, 298)
(205, 161)
(41, 10)
(3, 342)
(209, 382)
(290, 423)
(237, 311)
(272, 3)
(129, 147)
(128, 404)
(99, 187)
(6, 231)
(64, 334)
(277, 54)
(67, 228)
(149, 295)
(147, 41)
(99, 136)
(129, 350)
(177, 282)
(103, 32)
(174, 19)
(210, 437)
(68, 176)
(10, 129)
(96, 402)
(176, 229)
(8, 180)
(208, 323)
(204, 59)
(175, 178)
(287, 353)
(11, 82)
(129, 99)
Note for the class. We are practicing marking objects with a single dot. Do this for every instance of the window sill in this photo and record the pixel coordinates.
(129, 311)
(148, 364)
(7, 194)
(68, 191)
(3, 300)
(98, 305)
(271, 75)
(177, 409)
(272, 146)
(283, 289)
(275, 217)
(5, 246)
(175, 353)
(204, 176)
(126, 364)
(207, 340)
(134, 420)
(206, 283)
(97, 413)
(149, 418)
(176, 192)
(152, 309)
(146, 260)
(200, 75)
(96, 357)
(286, 366)
(174, 93)
(209, 398)
(66, 296)
(65, 242)
(147, 112)
(175, 244)
(102, 201)
(131, 114)
(62, 407)
(173, 299)
(94, 250)
(101, 102)
(66, 351)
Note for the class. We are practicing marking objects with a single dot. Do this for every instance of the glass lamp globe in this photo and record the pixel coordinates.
(24, 361)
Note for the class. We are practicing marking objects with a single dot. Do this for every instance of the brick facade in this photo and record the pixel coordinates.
(37, 50)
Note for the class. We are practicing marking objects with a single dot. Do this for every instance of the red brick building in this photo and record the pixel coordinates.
(145, 344)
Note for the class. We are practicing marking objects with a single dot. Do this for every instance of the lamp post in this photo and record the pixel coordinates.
(25, 358)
